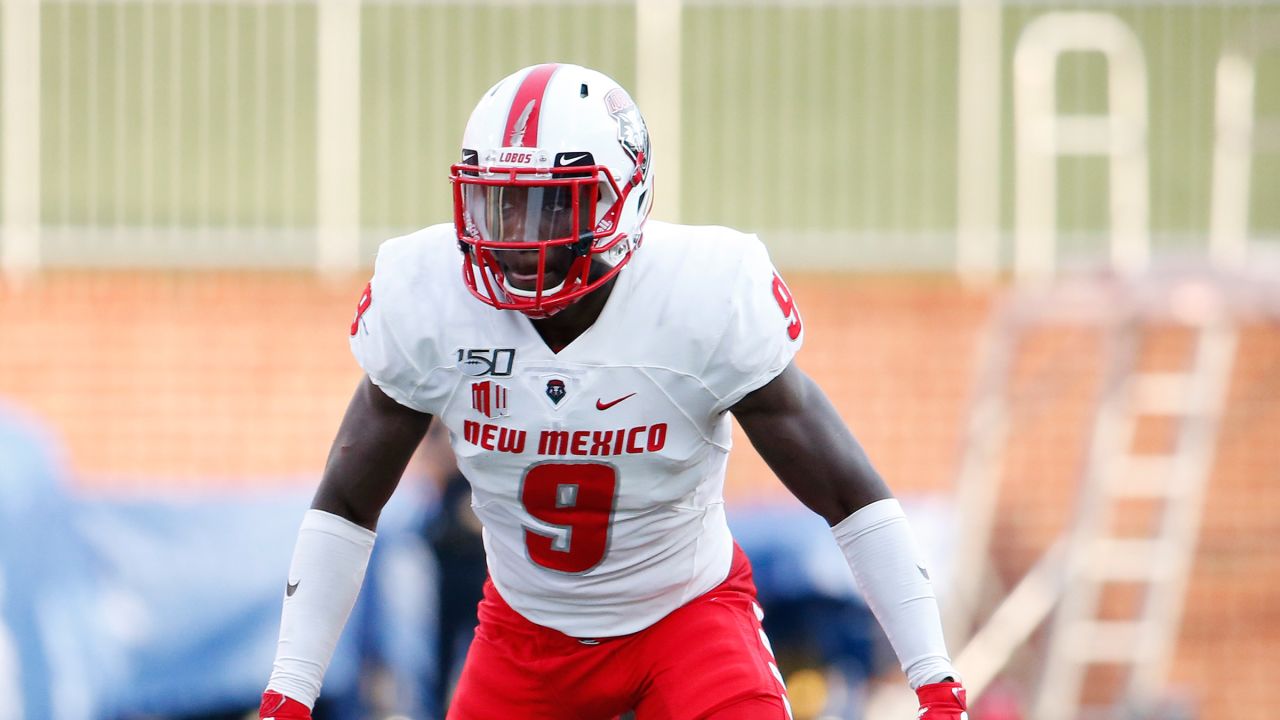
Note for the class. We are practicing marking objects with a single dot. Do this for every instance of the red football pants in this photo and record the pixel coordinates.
(706, 660)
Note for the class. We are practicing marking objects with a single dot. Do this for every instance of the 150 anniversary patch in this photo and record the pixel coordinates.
(479, 362)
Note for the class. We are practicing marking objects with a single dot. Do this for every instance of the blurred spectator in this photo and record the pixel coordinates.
(454, 536)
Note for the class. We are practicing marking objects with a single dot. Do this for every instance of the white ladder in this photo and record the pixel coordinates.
(1170, 486)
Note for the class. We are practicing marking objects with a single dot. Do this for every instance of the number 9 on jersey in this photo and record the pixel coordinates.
(576, 500)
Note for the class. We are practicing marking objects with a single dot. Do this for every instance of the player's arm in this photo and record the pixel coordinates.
(798, 432)
(375, 441)
(374, 444)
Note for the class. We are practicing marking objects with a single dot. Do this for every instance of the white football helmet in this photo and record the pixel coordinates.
(555, 165)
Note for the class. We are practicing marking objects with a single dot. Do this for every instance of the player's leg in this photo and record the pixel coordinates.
(494, 682)
(516, 669)
(757, 708)
(711, 659)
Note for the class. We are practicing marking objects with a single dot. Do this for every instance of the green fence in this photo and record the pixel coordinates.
(836, 120)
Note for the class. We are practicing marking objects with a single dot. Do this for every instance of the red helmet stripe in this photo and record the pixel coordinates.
(522, 119)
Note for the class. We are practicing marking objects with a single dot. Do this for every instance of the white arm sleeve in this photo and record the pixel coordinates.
(328, 568)
(887, 566)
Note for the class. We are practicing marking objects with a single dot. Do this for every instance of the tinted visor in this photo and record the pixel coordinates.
(530, 212)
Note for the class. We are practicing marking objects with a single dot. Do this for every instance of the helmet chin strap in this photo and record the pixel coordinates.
(540, 314)
(543, 314)
(530, 294)
(545, 311)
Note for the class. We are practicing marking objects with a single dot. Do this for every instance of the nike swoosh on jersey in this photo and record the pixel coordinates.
(571, 160)
(601, 405)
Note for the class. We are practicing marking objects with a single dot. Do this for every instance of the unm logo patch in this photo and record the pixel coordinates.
(555, 390)
(489, 399)
(553, 384)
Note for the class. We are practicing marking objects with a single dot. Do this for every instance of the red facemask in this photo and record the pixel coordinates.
(529, 234)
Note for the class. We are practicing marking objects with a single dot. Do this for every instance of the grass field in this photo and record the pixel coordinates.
(836, 119)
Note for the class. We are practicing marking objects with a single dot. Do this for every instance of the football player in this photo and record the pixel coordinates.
(585, 363)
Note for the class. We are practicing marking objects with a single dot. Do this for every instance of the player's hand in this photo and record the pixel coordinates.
(278, 707)
(942, 701)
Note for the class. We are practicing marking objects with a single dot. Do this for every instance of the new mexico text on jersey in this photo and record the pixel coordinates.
(597, 471)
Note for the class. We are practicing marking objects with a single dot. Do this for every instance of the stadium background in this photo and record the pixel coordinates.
(206, 183)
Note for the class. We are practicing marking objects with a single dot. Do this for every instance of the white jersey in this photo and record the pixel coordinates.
(597, 472)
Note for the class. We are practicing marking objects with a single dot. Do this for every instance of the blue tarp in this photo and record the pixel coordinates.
(119, 606)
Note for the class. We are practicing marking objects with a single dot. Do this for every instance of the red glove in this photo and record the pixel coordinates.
(942, 701)
(278, 707)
